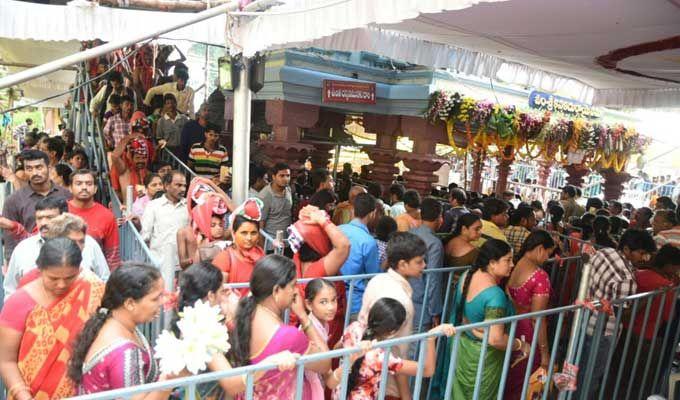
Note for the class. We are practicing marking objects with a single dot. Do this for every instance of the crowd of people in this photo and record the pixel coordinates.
(72, 307)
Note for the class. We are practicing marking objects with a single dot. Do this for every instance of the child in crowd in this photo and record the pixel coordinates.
(384, 320)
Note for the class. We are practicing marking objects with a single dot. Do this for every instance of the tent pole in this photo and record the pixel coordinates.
(241, 136)
(76, 58)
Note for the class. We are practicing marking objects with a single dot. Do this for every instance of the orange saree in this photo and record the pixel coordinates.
(49, 333)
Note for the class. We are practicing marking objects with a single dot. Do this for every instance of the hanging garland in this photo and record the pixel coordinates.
(479, 124)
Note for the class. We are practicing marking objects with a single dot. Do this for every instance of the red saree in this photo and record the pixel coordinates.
(45, 348)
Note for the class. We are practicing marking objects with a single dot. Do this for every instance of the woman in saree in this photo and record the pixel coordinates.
(479, 298)
(260, 331)
(204, 282)
(238, 260)
(320, 250)
(529, 289)
(55, 305)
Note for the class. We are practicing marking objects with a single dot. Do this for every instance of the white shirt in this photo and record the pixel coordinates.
(27, 251)
(160, 223)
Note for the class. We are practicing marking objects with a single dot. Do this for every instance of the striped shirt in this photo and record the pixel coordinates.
(206, 162)
(670, 236)
(612, 277)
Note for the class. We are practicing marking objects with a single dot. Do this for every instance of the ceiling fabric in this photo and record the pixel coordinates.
(553, 45)
(22, 20)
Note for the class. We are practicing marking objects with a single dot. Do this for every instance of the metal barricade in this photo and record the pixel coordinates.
(647, 369)
(166, 155)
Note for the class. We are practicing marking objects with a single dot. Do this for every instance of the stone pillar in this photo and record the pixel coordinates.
(613, 183)
(384, 153)
(544, 168)
(422, 162)
(287, 119)
(576, 174)
(503, 168)
(329, 128)
(477, 166)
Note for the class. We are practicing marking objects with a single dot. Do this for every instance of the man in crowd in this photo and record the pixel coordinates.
(20, 205)
(26, 252)
(666, 227)
(568, 202)
(397, 200)
(277, 198)
(193, 132)
(375, 189)
(130, 161)
(118, 126)
(405, 262)
(411, 218)
(54, 148)
(664, 203)
(322, 179)
(208, 157)
(494, 219)
(522, 222)
(101, 223)
(612, 276)
(429, 304)
(616, 208)
(99, 104)
(457, 199)
(180, 89)
(344, 212)
(162, 218)
(22, 130)
(642, 218)
(363, 252)
(170, 125)
(257, 179)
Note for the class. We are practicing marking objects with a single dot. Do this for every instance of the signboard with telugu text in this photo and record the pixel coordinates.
(348, 92)
(552, 103)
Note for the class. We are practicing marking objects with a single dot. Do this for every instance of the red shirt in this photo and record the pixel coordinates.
(102, 226)
(647, 281)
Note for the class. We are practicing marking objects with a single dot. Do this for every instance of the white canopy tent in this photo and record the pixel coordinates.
(549, 44)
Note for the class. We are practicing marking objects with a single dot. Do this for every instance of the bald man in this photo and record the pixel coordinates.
(344, 212)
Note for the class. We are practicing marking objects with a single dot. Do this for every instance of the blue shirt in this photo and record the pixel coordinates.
(429, 303)
(362, 259)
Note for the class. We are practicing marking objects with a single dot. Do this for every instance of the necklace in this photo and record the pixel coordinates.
(269, 311)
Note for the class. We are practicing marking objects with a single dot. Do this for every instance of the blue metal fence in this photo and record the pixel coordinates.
(657, 384)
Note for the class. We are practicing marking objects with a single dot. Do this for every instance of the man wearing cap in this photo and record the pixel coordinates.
(568, 201)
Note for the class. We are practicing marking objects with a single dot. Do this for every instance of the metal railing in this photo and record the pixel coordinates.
(655, 371)
(176, 163)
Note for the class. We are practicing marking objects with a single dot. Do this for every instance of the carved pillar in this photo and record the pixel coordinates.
(544, 168)
(576, 174)
(503, 167)
(477, 166)
(384, 153)
(287, 119)
(422, 162)
(613, 183)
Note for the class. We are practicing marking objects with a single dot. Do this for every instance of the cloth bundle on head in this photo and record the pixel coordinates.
(251, 209)
(203, 204)
(312, 234)
(138, 122)
(139, 146)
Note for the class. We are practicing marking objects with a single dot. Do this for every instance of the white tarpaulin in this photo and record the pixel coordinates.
(22, 20)
(549, 44)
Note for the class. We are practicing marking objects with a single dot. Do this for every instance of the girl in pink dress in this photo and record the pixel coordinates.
(529, 289)
(321, 299)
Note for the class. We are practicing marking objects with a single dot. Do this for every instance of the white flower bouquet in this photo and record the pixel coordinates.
(203, 334)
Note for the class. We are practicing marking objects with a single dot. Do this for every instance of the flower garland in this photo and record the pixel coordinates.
(483, 123)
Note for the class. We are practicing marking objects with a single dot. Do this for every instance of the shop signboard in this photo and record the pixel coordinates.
(552, 103)
(348, 92)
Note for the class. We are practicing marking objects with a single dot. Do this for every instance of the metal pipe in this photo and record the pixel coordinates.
(241, 138)
(68, 61)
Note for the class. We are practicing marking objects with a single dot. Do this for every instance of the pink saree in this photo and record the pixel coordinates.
(275, 384)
